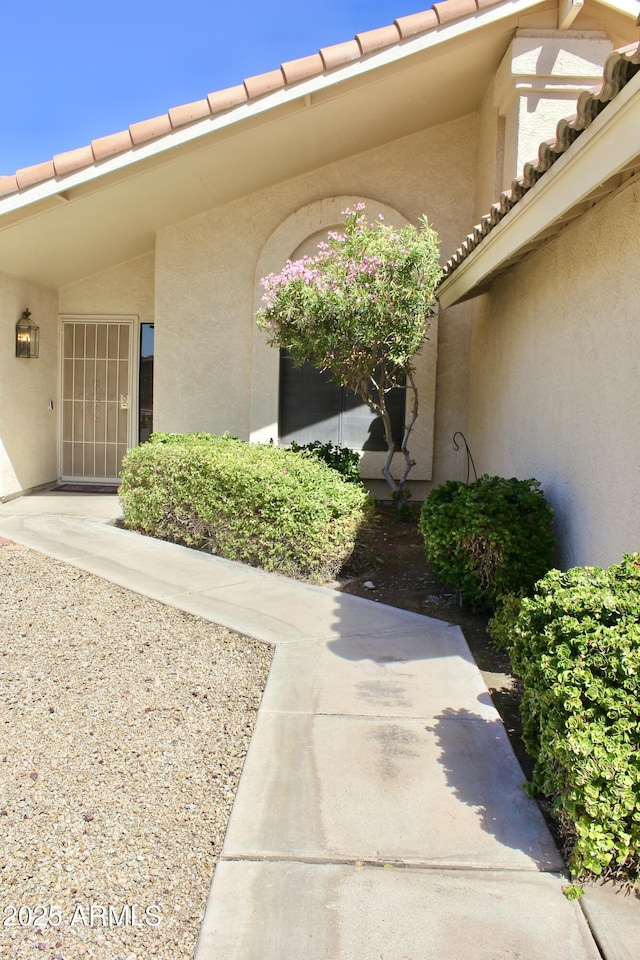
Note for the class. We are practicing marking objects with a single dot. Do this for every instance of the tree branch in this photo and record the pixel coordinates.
(413, 416)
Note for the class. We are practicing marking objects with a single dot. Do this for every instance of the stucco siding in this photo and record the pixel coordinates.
(126, 289)
(490, 156)
(206, 266)
(555, 392)
(28, 427)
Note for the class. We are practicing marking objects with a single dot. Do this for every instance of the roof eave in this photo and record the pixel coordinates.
(59, 186)
(609, 147)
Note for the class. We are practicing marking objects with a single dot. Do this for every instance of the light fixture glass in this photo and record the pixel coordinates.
(27, 336)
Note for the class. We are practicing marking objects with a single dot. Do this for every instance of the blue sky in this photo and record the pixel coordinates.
(82, 69)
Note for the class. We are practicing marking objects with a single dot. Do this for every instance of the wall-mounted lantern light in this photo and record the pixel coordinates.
(27, 336)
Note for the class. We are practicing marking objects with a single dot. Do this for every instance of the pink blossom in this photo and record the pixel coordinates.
(359, 207)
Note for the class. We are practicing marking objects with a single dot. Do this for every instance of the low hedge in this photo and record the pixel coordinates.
(342, 459)
(488, 538)
(262, 505)
(576, 647)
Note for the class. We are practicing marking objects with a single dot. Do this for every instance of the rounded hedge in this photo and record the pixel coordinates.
(262, 505)
(488, 538)
(576, 647)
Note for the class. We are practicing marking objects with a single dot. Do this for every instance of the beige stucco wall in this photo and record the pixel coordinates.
(206, 273)
(490, 156)
(555, 392)
(538, 83)
(123, 290)
(28, 427)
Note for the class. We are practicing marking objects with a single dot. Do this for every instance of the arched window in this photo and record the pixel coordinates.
(289, 404)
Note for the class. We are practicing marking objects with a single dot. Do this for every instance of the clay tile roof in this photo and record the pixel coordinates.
(372, 40)
(29, 176)
(150, 129)
(264, 83)
(106, 147)
(417, 23)
(227, 99)
(189, 113)
(340, 53)
(8, 185)
(295, 71)
(72, 160)
(619, 68)
(450, 10)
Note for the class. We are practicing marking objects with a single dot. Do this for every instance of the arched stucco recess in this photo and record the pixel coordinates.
(285, 242)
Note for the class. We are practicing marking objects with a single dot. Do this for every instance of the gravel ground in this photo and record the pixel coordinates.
(123, 729)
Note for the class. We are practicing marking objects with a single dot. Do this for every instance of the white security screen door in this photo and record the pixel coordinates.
(97, 391)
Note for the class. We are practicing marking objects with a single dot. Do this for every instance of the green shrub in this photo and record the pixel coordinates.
(342, 459)
(258, 504)
(501, 625)
(490, 537)
(189, 439)
(577, 650)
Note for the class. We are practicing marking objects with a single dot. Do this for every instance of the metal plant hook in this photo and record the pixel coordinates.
(470, 462)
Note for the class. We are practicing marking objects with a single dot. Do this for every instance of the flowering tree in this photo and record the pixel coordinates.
(360, 309)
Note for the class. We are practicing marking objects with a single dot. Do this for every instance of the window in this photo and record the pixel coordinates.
(145, 381)
(314, 408)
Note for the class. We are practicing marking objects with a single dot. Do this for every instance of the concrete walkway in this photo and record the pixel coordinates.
(380, 814)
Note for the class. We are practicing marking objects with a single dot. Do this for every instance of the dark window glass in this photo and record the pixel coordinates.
(313, 408)
(145, 381)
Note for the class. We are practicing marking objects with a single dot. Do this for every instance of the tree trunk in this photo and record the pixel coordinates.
(397, 486)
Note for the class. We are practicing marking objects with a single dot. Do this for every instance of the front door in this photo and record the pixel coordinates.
(97, 393)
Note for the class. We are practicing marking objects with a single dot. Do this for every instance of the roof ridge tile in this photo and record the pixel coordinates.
(338, 54)
(263, 83)
(146, 130)
(8, 184)
(30, 176)
(72, 160)
(223, 100)
(448, 10)
(372, 40)
(187, 113)
(105, 147)
(303, 68)
(416, 23)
